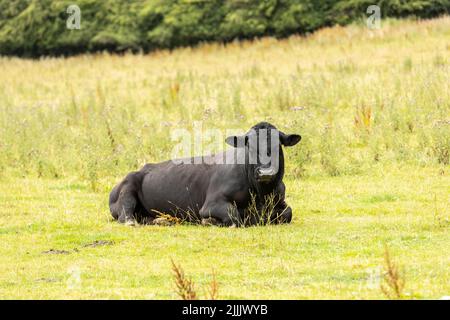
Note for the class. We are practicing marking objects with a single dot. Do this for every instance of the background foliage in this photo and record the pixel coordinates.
(38, 27)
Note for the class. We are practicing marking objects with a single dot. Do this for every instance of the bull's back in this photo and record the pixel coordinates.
(175, 189)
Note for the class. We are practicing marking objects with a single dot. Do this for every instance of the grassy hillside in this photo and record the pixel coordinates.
(372, 169)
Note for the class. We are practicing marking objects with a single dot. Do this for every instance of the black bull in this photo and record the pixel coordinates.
(208, 187)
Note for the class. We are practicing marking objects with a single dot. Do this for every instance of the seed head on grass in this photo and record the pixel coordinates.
(393, 280)
(185, 286)
(363, 118)
(213, 289)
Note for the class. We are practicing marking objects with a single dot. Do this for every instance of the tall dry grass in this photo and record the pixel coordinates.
(185, 287)
(393, 280)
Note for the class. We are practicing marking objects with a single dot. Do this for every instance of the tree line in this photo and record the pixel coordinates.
(34, 28)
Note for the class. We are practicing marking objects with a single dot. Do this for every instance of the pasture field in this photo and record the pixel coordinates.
(371, 172)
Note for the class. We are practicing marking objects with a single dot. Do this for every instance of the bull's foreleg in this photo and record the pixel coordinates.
(282, 213)
(220, 213)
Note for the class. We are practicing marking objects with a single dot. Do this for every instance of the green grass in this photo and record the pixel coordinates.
(333, 249)
(372, 167)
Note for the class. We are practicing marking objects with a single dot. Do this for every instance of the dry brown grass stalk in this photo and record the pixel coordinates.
(394, 282)
(185, 286)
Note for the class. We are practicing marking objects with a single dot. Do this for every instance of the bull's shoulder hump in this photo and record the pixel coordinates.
(148, 167)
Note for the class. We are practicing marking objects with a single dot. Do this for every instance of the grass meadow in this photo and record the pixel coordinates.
(370, 175)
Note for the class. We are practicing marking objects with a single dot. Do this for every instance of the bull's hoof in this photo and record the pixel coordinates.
(130, 222)
(210, 222)
(147, 220)
(163, 222)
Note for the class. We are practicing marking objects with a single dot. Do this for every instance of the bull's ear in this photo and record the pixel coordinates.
(236, 141)
(289, 140)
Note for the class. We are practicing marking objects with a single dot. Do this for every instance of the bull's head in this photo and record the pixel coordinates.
(263, 152)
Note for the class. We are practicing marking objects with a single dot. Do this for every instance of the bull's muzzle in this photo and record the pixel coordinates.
(266, 174)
